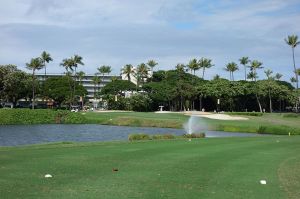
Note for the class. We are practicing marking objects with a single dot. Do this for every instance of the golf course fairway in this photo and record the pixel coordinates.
(201, 168)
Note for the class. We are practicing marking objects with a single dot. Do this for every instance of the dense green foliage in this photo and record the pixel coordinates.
(60, 89)
(116, 87)
(178, 90)
(203, 168)
(14, 84)
(27, 116)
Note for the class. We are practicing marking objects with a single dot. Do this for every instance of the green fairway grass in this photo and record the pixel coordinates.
(272, 123)
(275, 123)
(203, 168)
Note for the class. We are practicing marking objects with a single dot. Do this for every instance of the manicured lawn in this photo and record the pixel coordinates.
(274, 123)
(171, 120)
(203, 168)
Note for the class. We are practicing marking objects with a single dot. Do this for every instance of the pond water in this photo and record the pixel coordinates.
(14, 135)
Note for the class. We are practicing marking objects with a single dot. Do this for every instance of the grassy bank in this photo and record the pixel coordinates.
(281, 124)
(28, 116)
(141, 119)
(203, 168)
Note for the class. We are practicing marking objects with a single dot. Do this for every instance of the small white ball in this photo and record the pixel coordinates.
(263, 182)
(48, 176)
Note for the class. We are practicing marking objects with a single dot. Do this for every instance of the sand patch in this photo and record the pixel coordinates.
(223, 117)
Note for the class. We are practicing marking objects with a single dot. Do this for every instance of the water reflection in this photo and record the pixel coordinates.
(13, 135)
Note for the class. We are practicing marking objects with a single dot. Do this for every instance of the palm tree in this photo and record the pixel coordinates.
(80, 75)
(252, 75)
(193, 65)
(292, 41)
(205, 63)
(46, 57)
(268, 73)
(231, 67)
(104, 70)
(180, 68)
(142, 72)
(96, 80)
(35, 64)
(152, 64)
(72, 64)
(254, 66)
(128, 70)
(77, 60)
(278, 76)
(67, 64)
(244, 61)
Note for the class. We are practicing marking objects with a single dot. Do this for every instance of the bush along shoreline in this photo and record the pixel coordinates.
(143, 136)
(39, 116)
(261, 129)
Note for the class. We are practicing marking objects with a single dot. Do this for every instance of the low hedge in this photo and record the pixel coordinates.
(278, 130)
(291, 115)
(194, 135)
(39, 116)
(142, 136)
(163, 137)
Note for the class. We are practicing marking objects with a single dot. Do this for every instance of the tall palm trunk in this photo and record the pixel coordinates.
(297, 81)
(128, 76)
(245, 72)
(33, 89)
(74, 86)
(257, 99)
(258, 102)
(45, 71)
(200, 102)
(270, 103)
(295, 70)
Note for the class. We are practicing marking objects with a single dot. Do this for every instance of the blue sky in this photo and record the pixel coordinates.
(119, 32)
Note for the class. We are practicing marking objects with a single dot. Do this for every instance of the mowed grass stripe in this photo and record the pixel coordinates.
(203, 168)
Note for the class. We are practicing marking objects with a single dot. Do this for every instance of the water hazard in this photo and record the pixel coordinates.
(14, 135)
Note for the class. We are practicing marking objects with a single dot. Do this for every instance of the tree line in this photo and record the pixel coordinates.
(177, 89)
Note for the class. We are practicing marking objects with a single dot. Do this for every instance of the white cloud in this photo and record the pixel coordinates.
(117, 32)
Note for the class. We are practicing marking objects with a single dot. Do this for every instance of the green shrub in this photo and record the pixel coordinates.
(140, 136)
(235, 128)
(143, 136)
(39, 116)
(194, 135)
(278, 130)
(163, 137)
(258, 114)
(291, 115)
(261, 129)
